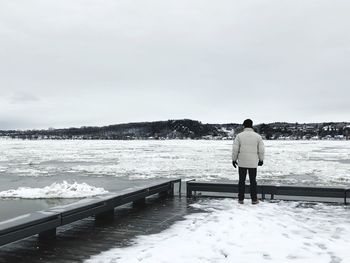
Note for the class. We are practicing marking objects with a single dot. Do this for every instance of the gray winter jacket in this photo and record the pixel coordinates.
(248, 149)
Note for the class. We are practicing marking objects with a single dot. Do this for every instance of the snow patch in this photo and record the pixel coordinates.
(55, 190)
(228, 232)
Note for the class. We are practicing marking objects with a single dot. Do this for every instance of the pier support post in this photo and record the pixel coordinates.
(47, 235)
(105, 216)
(346, 195)
(139, 203)
(167, 193)
(170, 192)
(188, 188)
(163, 194)
(188, 191)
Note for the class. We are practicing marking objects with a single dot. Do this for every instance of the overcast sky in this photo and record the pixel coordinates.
(70, 63)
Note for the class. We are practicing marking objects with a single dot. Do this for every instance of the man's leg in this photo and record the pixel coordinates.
(253, 184)
(241, 185)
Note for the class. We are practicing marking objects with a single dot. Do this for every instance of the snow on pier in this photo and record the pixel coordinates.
(179, 229)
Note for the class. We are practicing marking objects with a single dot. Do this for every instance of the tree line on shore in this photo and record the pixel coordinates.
(187, 129)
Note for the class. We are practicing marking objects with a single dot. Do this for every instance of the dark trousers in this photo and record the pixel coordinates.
(252, 179)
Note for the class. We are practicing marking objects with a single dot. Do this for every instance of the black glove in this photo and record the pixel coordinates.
(260, 163)
(234, 163)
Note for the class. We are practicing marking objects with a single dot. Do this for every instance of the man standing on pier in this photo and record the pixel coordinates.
(248, 153)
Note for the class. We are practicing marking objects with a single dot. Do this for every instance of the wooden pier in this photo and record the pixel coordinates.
(82, 239)
(45, 223)
(75, 232)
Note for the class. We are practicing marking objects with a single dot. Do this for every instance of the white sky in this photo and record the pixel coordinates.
(98, 62)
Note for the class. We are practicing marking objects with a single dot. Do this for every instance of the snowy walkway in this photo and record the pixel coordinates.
(228, 232)
(209, 230)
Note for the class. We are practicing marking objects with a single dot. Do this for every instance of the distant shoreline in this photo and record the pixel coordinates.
(187, 129)
(153, 139)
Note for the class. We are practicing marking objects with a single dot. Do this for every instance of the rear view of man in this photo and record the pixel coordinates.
(248, 153)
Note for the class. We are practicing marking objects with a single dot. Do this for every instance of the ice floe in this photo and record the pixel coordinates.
(55, 190)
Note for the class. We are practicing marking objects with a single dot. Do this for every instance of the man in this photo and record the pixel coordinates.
(248, 153)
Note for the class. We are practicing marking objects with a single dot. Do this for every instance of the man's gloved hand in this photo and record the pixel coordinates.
(260, 163)
(234, 163)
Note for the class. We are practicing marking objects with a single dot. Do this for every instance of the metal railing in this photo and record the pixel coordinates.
(272, 190)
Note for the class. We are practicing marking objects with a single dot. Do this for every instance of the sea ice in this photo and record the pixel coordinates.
(55, 190)
(323, 163)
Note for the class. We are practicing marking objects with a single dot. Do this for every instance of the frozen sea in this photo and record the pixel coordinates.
(27, 163)
(35, 175)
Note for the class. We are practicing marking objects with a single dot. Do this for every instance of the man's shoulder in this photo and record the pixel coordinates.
(250, 133)
(257, 135)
